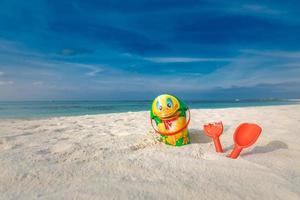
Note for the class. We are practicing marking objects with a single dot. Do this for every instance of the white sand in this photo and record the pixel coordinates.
(115, 156)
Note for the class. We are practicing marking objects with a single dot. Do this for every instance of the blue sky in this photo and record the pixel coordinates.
(113, 49)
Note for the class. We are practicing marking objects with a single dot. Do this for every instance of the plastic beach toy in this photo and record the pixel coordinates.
(170, 118)
(244, 136)
(214, 130)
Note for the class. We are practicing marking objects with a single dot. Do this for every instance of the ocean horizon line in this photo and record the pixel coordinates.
(45, 109)
(150, 100)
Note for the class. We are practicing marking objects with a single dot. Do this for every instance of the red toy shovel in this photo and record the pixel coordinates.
(244, 136)
(214, 130)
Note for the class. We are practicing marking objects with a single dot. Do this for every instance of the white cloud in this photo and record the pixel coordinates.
(37, 83)
(39, 63)
(7, 82)
(256, 67)
(93, 70)
(252, 9)
(185, 59)
(260, 9)
(280, 11)
(49, 65)
(273, 53)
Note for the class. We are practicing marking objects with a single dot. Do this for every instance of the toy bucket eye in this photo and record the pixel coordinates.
(169, 103)
(158, 106)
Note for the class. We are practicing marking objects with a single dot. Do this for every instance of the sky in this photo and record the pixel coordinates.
(135, 50)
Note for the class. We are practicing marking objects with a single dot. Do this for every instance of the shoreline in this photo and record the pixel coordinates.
(122, 112)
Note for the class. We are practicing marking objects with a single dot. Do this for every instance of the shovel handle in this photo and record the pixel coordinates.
(235, 152)
(218, 145)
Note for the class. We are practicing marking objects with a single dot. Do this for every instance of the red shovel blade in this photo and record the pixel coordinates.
(214, 130)
(244, 136)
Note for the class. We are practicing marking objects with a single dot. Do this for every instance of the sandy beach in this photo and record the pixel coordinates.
(117, 156)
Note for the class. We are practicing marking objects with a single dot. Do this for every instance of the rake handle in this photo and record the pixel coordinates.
(218, 145)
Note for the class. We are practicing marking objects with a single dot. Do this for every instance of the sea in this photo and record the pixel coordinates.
(46, 109)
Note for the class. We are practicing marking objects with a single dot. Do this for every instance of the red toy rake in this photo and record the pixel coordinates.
(214, 130)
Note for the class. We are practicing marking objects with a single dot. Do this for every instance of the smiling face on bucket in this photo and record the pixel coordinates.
(165, 106)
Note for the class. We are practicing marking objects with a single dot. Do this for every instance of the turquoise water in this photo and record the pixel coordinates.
(44, 109)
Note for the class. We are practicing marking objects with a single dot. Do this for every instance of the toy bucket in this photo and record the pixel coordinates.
(174, 131)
